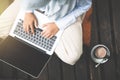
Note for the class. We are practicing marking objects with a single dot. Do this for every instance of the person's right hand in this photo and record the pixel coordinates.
(29, 23)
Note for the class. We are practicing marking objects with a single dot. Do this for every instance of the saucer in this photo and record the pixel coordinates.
(100, 60)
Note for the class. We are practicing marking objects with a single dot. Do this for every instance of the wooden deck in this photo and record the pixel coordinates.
(105, 30)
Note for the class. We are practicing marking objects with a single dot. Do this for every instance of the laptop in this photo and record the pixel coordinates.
(26, 52)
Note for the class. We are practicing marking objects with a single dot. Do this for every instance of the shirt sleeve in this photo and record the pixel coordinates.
(30, 5)
(70, 18)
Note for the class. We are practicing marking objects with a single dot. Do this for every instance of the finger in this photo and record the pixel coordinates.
(24, 27)
(47, 36)
(43, 32)
(44, 35)
(27, 29)
(36, 24)
(50, 36)
(32, 29)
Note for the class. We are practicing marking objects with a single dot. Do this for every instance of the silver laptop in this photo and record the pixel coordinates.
(26, 52)
(36, 40)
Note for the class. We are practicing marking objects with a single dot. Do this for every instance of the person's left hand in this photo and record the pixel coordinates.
(49, 30)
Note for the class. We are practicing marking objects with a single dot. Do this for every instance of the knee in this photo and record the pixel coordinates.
(72, 59)
(70, 56)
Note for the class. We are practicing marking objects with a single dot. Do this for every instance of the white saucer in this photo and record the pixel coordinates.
(99, 60)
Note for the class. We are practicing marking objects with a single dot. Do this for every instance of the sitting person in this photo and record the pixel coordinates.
(68, 16)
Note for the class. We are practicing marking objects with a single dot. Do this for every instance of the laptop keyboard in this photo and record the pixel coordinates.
(36, 39)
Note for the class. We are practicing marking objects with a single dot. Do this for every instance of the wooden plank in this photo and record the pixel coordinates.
(68, 72)
(54, 68)
(81, 67)
(1, 75)
(108, 69)
(115, 12)
(95, 73)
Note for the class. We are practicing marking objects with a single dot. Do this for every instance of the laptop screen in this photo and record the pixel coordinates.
(22, 56)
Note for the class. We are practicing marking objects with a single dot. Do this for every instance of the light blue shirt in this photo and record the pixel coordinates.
(64, 12)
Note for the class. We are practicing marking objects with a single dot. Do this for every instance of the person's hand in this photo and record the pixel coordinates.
(49, 30)
(29, 23)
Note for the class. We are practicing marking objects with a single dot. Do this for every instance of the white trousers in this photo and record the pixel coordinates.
(69, 48)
